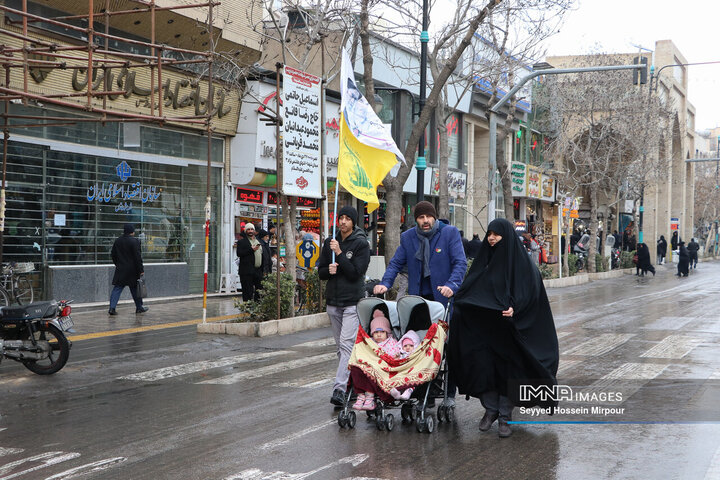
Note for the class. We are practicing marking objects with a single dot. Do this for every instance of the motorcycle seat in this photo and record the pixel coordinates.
(28, 312)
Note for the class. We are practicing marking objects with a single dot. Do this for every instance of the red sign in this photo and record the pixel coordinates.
(249, 196)
(301, 201)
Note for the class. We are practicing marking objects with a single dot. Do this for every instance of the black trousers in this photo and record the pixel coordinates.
(251, 285)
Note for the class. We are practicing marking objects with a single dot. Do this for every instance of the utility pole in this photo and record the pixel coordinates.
(420, 164)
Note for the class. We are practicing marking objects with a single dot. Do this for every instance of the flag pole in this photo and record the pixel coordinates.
(337, 183)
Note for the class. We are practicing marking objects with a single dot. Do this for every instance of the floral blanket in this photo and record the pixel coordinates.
(388, 372)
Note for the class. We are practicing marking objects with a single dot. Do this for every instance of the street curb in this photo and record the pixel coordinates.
(585, 278)
(264, 329)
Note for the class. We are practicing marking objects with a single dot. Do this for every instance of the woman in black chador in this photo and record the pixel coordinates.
(684, 260)
(502, 334)
(644, 265)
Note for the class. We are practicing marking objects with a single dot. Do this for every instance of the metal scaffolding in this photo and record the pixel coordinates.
(92, 57)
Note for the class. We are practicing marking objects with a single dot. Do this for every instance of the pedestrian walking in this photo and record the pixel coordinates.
(434, 256)
(250, 255)
(692, 249)
(433, 253)
(644, 264)
(674, 240)
(127, 256)
(684, 260)
(345, 286)
(465, 243)
(502, 333)
(661, 249)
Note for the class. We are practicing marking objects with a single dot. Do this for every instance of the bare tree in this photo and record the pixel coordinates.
(603, 129)
(450, 45)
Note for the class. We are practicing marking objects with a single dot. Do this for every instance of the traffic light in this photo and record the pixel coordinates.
(640, 76)
(518, 135)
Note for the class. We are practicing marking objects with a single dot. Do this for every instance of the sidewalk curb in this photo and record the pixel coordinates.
(264, 329)
(585, 278)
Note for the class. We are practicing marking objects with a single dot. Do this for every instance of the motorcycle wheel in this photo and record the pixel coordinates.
(52, 338)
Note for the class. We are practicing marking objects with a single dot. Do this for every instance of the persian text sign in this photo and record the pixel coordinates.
(301, 134)
(517, 178)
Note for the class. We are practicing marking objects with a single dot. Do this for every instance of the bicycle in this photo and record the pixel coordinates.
(15, 284)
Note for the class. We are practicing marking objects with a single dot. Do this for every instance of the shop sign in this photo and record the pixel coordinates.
(249, 196)
(548, 188)
(457, 183)
(301, 134)
(307, 253)
(125, 192)
(674, 224)
(533, 182)
(520, 226)
(518, 172)
(301, 201)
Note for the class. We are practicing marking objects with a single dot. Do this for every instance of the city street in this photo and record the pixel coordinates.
(170, 403)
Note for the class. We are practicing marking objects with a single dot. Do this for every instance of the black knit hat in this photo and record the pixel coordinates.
(128, 228)
(424, 208)
(350, 212)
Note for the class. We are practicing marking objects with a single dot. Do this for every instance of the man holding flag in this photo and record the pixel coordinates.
(367, 154)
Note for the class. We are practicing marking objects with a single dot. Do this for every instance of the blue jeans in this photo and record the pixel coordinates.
(115, 296)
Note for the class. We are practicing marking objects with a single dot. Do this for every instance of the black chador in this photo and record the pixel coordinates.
(488, 352)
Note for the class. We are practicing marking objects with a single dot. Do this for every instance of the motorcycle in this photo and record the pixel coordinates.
(581, 250)
(34, 335)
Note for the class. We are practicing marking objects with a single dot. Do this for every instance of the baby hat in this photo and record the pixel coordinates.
(379, 322)
(412, 336)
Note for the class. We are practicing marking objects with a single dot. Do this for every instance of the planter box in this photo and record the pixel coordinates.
(264, 329)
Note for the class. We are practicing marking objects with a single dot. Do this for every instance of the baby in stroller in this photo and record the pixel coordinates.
(382, 335)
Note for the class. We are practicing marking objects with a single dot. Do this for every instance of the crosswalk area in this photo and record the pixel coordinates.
(234, 369)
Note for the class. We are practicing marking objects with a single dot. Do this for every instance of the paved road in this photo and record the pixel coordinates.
(174, 404)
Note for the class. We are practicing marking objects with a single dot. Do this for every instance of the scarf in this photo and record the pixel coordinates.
(423, 253)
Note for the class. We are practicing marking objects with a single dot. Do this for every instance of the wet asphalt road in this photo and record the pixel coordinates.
(174, 404)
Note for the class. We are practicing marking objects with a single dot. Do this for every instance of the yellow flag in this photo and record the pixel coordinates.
(361, 168)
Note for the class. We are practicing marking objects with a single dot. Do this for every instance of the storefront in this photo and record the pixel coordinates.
(534, 204)
(72, 185)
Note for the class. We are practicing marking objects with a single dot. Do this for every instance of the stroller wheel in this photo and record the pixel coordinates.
(389, 422)
(380, 423)
(441, 413)
(429, 424)
(449, 414)
(420, 425)
(342, 419)
(351, 419)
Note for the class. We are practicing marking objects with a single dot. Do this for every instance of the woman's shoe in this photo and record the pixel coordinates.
(358, 405)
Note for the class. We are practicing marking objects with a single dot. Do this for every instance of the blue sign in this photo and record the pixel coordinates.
(123, 171)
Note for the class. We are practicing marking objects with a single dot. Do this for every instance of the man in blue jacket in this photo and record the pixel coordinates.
(434, 255)
(435, 258)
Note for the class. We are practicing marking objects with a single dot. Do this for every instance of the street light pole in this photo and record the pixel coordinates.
(420, 164)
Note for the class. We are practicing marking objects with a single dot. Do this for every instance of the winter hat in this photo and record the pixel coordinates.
(379, 322)
(249, 226)
(424, 208)
(128, 228)
(411, 336)
(350, 212)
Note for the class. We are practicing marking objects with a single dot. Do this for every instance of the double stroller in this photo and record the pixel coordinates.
(427, 370)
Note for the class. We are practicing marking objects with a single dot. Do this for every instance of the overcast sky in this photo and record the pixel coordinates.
(615, 25)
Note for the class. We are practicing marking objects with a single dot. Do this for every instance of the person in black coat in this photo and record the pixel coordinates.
(644, 265)
(502, 334)
(264, 238)
(129, 268)
(474, 246)
(684, 260)
(661, 249)
(674, 240)
(249, 251)
(692, 249)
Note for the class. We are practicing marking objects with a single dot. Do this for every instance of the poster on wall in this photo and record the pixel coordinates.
(301, 134)
(534, 178)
